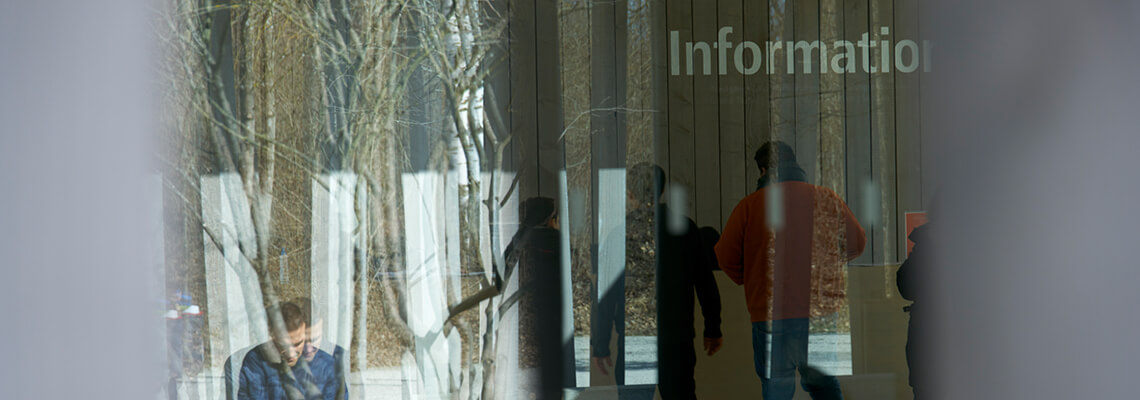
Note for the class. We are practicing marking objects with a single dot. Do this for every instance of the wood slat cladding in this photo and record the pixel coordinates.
(838, 80)
(697, 86)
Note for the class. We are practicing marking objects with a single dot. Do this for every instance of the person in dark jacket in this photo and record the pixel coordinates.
(315, 355)
(274, 368)
(909, 279)
(536, 253)
(665, 264)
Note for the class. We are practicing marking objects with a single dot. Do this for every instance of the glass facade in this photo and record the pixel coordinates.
(506, 199)
(497, 199)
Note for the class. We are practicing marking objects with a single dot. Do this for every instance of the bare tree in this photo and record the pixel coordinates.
(320, 86)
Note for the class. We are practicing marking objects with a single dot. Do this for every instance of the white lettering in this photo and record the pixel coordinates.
(926, 51)
(706, 54)
(756, 58)
(884, 50)
(722, 48)
(674, 54)
(846, 55)
(842, 56)
(806, 48)
(903, 45)
(772, 47)
(866, 44)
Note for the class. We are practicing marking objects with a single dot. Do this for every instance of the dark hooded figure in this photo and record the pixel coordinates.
(535, 251)
(664, 266)
(538, 227)
(913, 281)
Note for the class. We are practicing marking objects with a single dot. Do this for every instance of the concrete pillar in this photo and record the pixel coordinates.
(334, 241)
(234, 302)
(426, 254)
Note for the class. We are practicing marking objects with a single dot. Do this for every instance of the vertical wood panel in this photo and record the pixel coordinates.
(743, 117)
(858, 133)
(661, 52)
(832, 148)
(908, 122)
(908, 117)
(757, 94)
(523, 110)
(806, 27)
(621, 78)
(706, 121)
(883, 135)
(734, 154)
(928, 174)
(603, 87)
(641, 61)
(574, 30)
(681, 155)
(858, 126)
(549, 98)
(574, 43)
(783, 86)
(497, 96)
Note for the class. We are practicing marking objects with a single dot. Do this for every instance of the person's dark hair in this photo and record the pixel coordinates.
(292, 315)
(306, 306)
(536, 211)
(646, 182)
(533, 213)
(773, 153)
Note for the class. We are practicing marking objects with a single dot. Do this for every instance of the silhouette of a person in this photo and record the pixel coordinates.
(787, 244)
(322, 363)
(909, 279)
(663, 268)
(535, 251)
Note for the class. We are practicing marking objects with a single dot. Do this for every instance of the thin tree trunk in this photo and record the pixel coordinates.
(364, 281)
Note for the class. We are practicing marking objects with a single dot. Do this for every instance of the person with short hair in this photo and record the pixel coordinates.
(275, 367)
(787, 243)
(665, 265)
(320, 361)
(535, 252)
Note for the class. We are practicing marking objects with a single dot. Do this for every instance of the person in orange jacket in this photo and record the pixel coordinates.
(787, 244)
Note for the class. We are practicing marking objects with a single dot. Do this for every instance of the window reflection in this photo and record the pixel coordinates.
(475, 203)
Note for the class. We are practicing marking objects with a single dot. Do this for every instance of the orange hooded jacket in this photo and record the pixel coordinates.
(788, 244)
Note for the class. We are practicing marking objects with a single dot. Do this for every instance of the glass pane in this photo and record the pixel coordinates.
(501, 199)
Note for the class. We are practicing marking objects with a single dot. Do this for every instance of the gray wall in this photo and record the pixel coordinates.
(82, 297)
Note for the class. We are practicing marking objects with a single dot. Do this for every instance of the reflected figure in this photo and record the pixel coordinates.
(536, 252)
(787, 244)
(185, 347)
(321, 363)
(272, 368)
(909, 278)
(663, 268)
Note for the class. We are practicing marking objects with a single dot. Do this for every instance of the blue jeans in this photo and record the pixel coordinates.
(780, 348)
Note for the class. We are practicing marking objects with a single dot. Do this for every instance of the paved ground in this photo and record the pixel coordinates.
(830, 352)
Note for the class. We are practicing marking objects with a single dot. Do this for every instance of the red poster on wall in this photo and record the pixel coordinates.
(914, 219)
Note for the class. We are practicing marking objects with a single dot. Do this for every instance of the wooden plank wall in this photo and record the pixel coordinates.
(534, 101)
(859, 133)
(682, 157)
(524, 95)
(858, 128)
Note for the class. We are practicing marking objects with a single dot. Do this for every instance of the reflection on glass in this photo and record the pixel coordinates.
(792, 272)
(443, 190)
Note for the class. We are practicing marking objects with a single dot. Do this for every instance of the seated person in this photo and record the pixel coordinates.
(319, 360)
(274, 367)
